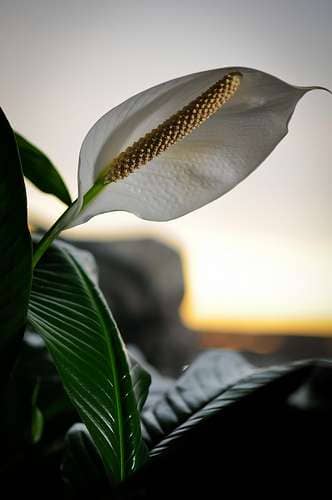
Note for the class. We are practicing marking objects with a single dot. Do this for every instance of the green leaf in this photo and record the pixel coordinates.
(37, 425)
(141, 380)
(40, 170)
(67, 309)
(209, 385)
(82, 468)
(15, 248)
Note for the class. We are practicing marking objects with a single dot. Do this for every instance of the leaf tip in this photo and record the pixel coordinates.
(318, 87)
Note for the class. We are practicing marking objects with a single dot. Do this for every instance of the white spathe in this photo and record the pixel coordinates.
(206, 164)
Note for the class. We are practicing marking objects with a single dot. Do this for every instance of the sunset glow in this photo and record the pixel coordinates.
(259, 285)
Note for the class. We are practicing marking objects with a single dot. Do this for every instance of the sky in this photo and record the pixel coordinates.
(259, 258)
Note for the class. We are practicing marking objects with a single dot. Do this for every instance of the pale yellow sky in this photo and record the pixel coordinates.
(260, 257)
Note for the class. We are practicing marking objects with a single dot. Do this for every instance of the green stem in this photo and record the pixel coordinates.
(62, 222)
(92, 193)
(49, 237)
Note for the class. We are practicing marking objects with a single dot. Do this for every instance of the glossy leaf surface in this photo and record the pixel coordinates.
(69, 312)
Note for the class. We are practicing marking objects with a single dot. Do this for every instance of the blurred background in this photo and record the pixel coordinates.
(252, 270)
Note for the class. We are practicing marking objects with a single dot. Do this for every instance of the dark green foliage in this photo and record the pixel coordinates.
(15, 249)
(67, 309)
(264, 430)
(40, 171)
(32, 436)
(193, 397)
(35, 363)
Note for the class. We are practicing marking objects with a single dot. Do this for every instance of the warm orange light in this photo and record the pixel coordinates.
(258, 325)
(254, 285)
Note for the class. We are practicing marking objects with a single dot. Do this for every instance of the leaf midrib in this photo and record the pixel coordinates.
(112, 360)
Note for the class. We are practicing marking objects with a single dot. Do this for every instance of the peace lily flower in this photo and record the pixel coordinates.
(180, 145)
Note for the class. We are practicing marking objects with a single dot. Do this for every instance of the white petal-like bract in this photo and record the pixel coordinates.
(210, 161)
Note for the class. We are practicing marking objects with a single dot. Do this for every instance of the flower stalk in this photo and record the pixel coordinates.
(61, 224)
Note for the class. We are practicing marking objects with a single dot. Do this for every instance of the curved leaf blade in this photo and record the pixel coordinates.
(141, 380)
(205, 379)
(41, 171)
(203, 391)
(15, 247)
(69, 312)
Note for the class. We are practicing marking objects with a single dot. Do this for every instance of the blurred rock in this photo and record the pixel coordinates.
(142, 281)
